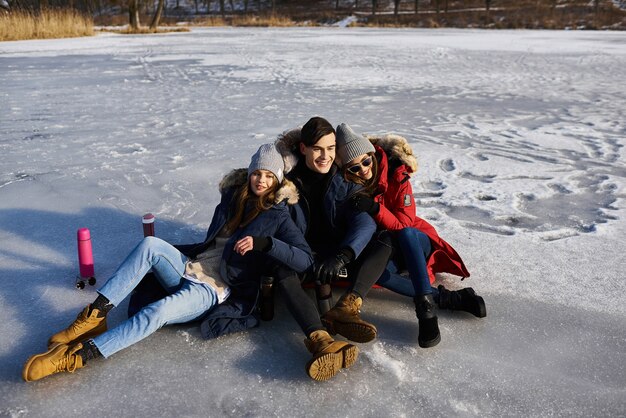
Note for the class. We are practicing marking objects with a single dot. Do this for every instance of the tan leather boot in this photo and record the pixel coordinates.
(61, 358)
(329, 356)
(85, 326)
(344, 319)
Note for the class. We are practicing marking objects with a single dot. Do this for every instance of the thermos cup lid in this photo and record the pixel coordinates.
(148, 218)
(83, 234)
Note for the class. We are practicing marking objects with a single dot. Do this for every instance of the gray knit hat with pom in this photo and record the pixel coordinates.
(268, 158)
(350, 144)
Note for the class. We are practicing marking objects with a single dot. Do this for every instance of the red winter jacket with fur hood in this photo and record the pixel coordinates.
(397, 205)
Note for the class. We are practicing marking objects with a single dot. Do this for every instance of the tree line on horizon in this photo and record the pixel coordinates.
(223, 8)
(280, 6)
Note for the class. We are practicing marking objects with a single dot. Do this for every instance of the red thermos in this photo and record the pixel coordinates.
(148, 225)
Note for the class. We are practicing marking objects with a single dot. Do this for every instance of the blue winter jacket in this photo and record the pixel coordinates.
(242, 273)
(288, 245)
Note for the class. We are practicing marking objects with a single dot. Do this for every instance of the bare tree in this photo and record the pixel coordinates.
(157, 15)
(133, 14)
(417, 6)
(487, 4)
(222, 8)
(374, 6)
(396, 6)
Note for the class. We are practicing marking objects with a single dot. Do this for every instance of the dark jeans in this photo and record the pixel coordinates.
(415, 249)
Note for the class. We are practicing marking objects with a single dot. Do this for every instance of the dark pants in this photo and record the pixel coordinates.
(300, 305)
(371, 263)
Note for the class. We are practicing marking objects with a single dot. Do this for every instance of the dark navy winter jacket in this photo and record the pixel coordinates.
(350, 229)
(288, 245)
(242, 273)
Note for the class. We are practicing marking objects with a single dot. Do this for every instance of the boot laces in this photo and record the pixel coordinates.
(351, 303)
(67, 363)
(318, 343)
(82, 322)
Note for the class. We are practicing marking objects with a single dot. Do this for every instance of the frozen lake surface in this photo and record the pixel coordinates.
(520, 138)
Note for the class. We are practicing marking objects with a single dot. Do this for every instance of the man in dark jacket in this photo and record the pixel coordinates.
(336, 233)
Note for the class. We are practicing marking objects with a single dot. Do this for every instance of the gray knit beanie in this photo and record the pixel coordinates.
(268, 158)
(350, 144)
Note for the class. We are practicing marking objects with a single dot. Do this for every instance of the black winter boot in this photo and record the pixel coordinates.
(462, 300)
(427, 317)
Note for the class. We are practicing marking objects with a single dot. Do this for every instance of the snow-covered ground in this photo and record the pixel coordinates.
(520, 137)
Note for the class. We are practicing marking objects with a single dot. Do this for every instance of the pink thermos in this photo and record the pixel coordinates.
(85, 253)
(148, 225)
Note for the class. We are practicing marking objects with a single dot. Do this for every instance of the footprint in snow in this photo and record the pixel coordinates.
(447, 165)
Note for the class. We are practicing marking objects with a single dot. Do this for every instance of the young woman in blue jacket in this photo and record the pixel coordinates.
(250, 234)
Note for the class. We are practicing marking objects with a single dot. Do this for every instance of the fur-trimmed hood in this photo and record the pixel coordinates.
(287, 144)
(397, 149)
(239, 176)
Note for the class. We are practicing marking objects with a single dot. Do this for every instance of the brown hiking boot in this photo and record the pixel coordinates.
(85, 326)
(344, 319)
(61, 358)
(329, 356)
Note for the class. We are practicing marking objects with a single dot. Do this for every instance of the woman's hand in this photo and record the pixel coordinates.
(248, 243)
(244, 245)
(367, 204)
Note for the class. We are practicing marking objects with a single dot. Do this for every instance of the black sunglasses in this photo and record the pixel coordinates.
(354, 169)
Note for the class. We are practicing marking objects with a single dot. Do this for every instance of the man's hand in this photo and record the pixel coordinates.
(328, 269)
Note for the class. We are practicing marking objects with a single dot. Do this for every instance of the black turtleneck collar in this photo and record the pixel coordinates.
(305, 173)
(312, 186)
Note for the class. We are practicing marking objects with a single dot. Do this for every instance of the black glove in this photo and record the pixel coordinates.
(328, 269)
(261, 243)
(362, 203)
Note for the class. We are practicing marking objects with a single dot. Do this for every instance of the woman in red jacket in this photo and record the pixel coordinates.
(383, 165)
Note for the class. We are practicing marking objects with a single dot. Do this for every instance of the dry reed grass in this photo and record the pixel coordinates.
(210, 21)
(50, 23)
(265, 21)
(146, 30)
(247, 21)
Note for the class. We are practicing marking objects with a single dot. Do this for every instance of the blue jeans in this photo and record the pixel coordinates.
(186, 302)
(415, 248)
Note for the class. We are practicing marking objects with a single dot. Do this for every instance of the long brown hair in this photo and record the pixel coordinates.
(369, 186)
(259, 204)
